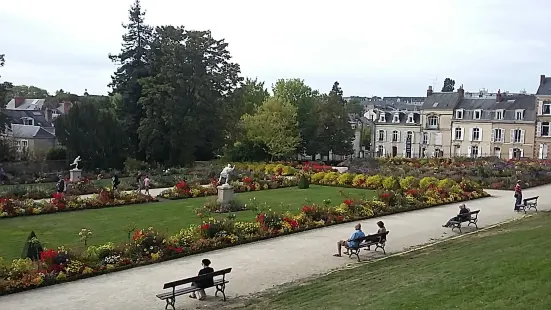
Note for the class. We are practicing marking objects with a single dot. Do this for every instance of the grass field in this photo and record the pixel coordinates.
(504, 268)
(109, 224)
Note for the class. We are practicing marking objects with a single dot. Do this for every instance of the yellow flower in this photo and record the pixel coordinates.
(61, 276)
(87, 270)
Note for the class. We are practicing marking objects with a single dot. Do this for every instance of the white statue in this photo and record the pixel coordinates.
(226, 173)
(75, 163)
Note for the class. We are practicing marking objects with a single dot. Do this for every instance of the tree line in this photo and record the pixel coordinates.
(177, 96)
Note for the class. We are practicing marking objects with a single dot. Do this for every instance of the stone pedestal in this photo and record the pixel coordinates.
(75, 175)
(225, 194)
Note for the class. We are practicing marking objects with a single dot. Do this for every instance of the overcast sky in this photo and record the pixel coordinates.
(384, 48)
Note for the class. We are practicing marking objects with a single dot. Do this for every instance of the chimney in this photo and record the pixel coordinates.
(542, 79)
(461, 91)
(19, 101)
(429, 91)
(498, 96)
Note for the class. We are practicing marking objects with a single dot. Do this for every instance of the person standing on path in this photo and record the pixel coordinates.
(139, 182)
(146, 183)
(518, 195)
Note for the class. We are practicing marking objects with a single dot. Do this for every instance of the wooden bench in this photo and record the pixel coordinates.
(471, 218)
(377, 240)
(170, 297)
(528, 203)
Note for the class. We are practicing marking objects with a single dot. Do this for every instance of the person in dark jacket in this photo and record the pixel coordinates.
(463, 215)
(518, 195)
(206, 283)
(115, 181)
(60, 186)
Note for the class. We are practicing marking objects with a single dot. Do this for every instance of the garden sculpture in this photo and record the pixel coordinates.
(226, 173)
(75, 163)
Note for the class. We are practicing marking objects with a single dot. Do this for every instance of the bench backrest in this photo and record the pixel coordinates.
(531, 198)
(381, 237)
(474, 212)
(222, 272)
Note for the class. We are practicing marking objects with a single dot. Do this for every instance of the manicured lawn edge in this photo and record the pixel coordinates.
(223, 246)
(236, 192)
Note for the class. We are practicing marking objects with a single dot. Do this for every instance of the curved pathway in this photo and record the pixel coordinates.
(261, 265)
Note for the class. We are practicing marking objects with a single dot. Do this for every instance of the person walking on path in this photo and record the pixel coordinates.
(139, 182)
(146, 184)
(518, 195)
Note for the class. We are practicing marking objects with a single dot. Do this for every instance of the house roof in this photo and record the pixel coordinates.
(509, 105)
(545, 87)
(441, 101)
(30, 132)
(30, 104)
(16, 117)
(402, 118)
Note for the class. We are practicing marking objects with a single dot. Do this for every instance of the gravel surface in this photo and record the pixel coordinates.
(261, 265)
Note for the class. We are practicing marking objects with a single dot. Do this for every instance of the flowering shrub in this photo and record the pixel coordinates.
(59, 202)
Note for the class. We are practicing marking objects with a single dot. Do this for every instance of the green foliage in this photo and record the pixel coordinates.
(353, 106)
(409, 182)
(132, 165)
(274, 125)
(303, 182)
(5, 91)
(427, 181)
(390, 183)
(56, 153)
(449, 85)
(29, 92)
(32, 248)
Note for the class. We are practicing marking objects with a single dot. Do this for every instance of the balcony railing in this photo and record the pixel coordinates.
(432, 127)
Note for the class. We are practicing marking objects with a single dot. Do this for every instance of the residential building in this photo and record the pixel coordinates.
(31, 131)
(543, 118)
(21, 103)
(397, 132)
(436, 122)
(502, 126)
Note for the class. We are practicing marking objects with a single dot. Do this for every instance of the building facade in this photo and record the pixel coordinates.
(543, 119)
(397, 133)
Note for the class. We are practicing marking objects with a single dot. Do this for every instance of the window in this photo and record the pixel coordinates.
(27, 121)
(425, 138)
(410, 118)
(381, 135)
(457, 151)
(474, 151)
(477, 114)
(380, 151)
(396, 118)
(438, 138)
(546, 108)
(395, 136)
(382, 117)
(543, 129)
(458, 133)
(353, 126)
(519, 115)
(459, 114)
(432, 121)
(476, 135)
(498, 135)
(409, 136)
(497, 152)
(499, 114)
(21, 145)
(517, 136)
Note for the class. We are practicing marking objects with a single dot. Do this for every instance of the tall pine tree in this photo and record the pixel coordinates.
(5, 88)
(133, 65)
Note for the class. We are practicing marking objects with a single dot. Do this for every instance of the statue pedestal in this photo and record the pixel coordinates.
(75, 175)
(225, 194)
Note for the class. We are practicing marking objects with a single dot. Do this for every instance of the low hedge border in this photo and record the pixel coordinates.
(220, 247)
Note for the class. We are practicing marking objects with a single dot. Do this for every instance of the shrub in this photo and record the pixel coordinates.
(409, 182)
(390, 183)
(345, 178)
(425, 182)
(359, 180)
(330, 178)
(56, 153)
(374, 181)
(446, 183)
(317, 177)
(133, 165)
(303, 182)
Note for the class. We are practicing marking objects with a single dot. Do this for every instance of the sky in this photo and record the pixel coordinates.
(382, 48)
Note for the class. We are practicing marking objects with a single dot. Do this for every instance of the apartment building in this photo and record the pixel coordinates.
(543, 118)
(397, 133)
(436, 122)
(501, 127)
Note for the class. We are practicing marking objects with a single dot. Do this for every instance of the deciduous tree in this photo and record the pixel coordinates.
(5, 88)
(30, 92)
(449, 85)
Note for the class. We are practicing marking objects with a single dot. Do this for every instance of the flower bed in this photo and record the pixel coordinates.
(488, 172)
(184, 189)
(148, 246)
(61, 203)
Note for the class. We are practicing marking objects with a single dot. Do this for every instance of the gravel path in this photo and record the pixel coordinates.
(261, 265)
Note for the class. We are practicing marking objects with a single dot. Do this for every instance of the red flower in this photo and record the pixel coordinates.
(412, 192)
(305, 209)
(137, 235)
(340, 218)
(247, 180)
(182, 185)
(260, 218)
(293, 223)
(348, 202)
(205, 226)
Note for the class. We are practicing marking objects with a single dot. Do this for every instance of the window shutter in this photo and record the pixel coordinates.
(399, 135)
(469, 151)
(522, 136)
(512, 138)
(545, 151)
(540, 156)
(538, 130)
(492, 137)
(521, 152)
(471, 134)
(502, 139)
(479, 135)
(479, 151)
(384, 136)
(428, 138)
(511, 153)
(462, 134)
(540, 107)
(412, 137)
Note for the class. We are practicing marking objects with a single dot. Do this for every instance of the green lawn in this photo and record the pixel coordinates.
(109, 224)
(504, 268)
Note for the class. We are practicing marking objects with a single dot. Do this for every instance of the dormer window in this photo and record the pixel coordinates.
(459, 114)
(499, 114)
(396, 118)
(410, 119)
(519, 115)
(477, 114)
(27, 121)
(382, 117)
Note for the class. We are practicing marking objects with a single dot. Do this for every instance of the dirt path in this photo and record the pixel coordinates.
(262, 265)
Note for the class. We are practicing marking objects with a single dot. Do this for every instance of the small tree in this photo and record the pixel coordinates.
(32, 248)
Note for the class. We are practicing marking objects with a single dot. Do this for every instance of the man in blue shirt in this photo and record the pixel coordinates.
(352, 242)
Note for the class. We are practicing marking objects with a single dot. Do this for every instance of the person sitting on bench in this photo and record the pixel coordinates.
(381, 230)
(352, 242)
(463, 216)
(203, 283)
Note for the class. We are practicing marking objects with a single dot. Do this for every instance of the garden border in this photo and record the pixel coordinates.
(220, 247)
